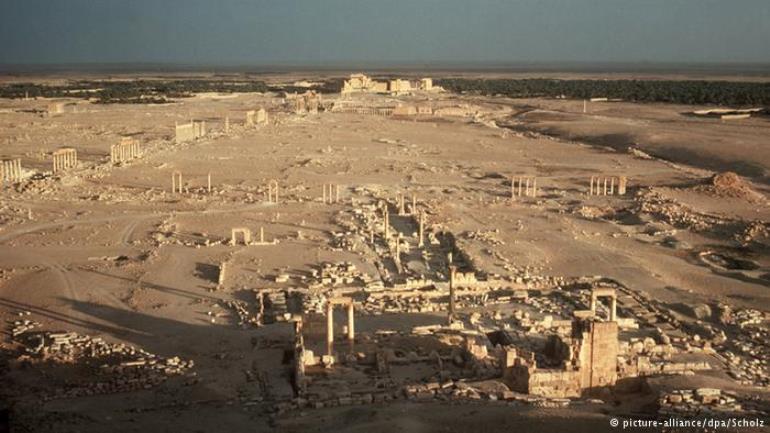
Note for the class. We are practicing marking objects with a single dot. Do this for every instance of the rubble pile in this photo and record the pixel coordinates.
(119, 367)
(241, 308)
(275, 304)
(729, 184)
(699, 401)
(486, 236)
(675, 213)
(337, 274)
(746, 353)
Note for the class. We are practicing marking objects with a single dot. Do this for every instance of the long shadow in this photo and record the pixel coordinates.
(64, 318)
(166, 289)
(168, 337)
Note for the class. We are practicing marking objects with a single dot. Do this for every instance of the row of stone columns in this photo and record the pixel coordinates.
(331, 193)
(64, 159)
(523, 186)
(606, 185)
(124, 151)
(10, 171)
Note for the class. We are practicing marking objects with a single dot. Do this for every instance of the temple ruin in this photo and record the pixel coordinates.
(127, 150)
(189, 131)
(64, 159)
(10, 171)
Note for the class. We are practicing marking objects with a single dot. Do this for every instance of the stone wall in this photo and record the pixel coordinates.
(598, 353)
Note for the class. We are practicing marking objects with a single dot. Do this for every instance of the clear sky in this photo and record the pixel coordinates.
(324, 32)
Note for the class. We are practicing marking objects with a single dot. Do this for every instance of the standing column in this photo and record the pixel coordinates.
(450, 316)
(513, 186)
(324, 194)
(398, 248)
(387, 224)
(612, 186)
(593, 303)
(414, 204)
(527, 189)
(337, 192)
(591, 188)
(519, 193)
(351, 322)
(614, 309)
(421, 242)
(209, 183)
(329, 328)
(605, 186)
(534, 187)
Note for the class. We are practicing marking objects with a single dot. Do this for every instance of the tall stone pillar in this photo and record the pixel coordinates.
(421, 242)
(351, 322)
(614, 309)
(329, 328)
(451, 315)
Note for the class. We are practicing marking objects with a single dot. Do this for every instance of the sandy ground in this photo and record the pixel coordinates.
(101, 250)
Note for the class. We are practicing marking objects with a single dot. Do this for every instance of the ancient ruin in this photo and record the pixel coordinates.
(611, 185)
(401, 251)
(10, 171)
(64, 159)
(189, 131)
(523, 187)
(127, 150)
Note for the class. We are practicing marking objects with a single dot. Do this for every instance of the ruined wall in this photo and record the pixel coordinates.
(405, 110)
(598, 353)
(543, 382)
(184, 132)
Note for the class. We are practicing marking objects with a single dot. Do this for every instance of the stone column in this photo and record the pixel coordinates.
(329, 328)
(387, 224)
(324, 194)
(612, 185)
(614, 309)
(534, 187)
(593, 303)
(622, 181)
(605, 186)
(337, 192)
(209, 183)
(414, 204)
(591, 188)
(450, 316)
(351, 322)
(421, 242)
